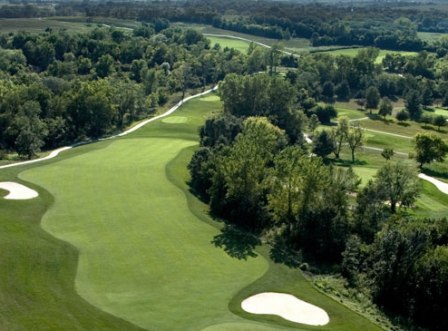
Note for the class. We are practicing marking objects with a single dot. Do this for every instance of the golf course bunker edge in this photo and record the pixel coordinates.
(17, 191)
(286, 306)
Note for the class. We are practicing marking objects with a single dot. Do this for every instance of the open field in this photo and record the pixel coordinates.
(239, 45)
(39, 25)
(354, 51)
(144, 243)
(71, 24)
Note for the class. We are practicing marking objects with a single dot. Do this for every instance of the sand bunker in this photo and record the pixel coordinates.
(442, 186)
(18, 191)
(286, 306)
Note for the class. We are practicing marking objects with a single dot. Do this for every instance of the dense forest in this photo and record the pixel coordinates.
(58, 88)
(256, 173)
(385, 25)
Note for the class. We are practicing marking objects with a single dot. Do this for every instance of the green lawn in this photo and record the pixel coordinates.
(293, 44)
(144, 243)
(354, 51)
(239, 45)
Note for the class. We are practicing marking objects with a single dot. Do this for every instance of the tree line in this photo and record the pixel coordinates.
(386, 25)
(324, 24)
(59, 88)
(256, 172)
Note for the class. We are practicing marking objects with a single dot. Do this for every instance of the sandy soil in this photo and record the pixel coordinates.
(286, 306)
(18, 191)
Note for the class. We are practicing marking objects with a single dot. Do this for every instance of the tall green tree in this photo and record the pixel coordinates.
(428, 148)
(397, 184)
(413, 104)
(355, 139)
(323, 144)
(340, 135)
(372, 98)
(386, 107)
(242, 174)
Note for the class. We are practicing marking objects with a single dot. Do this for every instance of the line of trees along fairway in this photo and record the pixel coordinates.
(386, 25)
(257, 176)
(58, 88)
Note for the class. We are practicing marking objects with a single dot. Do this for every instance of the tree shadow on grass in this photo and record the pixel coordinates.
(281, 252)
(347, 163)
(237, 243)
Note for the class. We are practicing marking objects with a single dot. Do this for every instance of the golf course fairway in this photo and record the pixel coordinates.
(144, 254)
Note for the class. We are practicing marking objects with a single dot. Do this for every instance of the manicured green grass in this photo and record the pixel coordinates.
(350, 113)
(354, 51)
(144, 242)
(293, 44)
(384, 140)
(437, 111)
(239, 45)
(431, 199)
(37, 271)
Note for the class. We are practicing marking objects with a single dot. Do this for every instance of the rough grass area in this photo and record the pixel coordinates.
(40, 25)
(354, 51)
(144, 243)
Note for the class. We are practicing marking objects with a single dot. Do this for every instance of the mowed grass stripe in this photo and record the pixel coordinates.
(143, 255)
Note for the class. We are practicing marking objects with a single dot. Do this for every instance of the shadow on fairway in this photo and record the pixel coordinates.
(238, 244)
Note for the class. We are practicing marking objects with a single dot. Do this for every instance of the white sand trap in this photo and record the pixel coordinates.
(442, 186)
(18, 191)
(286, 306)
